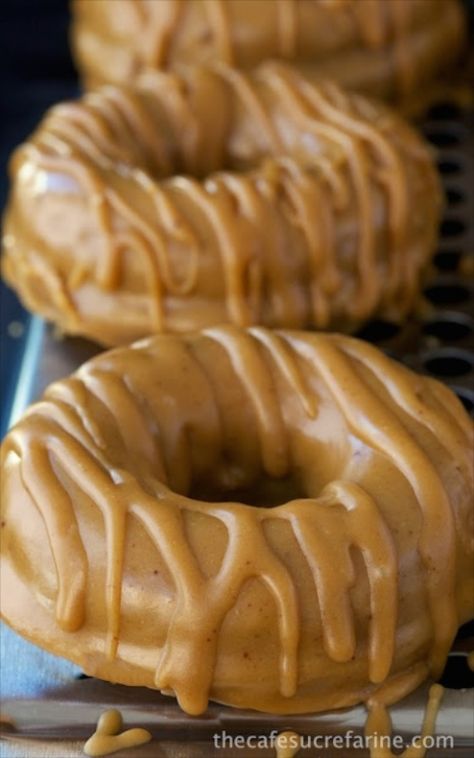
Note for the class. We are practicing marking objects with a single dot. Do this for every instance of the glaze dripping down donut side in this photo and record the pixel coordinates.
(274, 520)
(144, 209)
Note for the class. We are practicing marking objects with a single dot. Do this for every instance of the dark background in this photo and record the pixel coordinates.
(35, 71)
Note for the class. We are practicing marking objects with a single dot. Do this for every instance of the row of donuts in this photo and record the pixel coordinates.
(233, 508)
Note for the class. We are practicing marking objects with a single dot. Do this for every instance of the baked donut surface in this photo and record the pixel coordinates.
(145, 209)
(388, 48)
(274, 520)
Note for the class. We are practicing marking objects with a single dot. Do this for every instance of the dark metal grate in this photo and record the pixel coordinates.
(439, 339)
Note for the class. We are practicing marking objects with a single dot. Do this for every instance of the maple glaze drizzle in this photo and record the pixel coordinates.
(301, 194)
(221, 28)
(59, 435)
(288, 25)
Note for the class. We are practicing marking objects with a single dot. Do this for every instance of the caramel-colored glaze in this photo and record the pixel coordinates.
(129, 548)
(388, 48)
(108, 737)
(287, 744)
(379, 727)
(318, 208)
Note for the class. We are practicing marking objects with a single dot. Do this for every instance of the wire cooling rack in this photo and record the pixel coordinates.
(439, 339)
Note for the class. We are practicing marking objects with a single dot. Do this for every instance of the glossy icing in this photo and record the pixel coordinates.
(290, 206)
(135, 471)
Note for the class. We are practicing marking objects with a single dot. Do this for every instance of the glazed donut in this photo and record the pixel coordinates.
(389, 48)
(145, 209)
(274, 520)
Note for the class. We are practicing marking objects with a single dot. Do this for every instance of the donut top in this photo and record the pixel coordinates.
(383, 46)
(281, 165)
(158, 434)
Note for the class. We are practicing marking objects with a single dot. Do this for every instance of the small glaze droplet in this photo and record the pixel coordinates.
(106, 739)
(287, 744)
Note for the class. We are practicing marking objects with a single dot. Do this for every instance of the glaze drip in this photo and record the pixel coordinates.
(379, 725)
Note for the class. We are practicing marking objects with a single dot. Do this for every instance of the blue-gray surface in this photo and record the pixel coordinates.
(26, 670)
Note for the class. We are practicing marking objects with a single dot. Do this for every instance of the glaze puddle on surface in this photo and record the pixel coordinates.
(109, 738)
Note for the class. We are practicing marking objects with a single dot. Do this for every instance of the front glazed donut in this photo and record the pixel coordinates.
(148, 208)
(274, 520)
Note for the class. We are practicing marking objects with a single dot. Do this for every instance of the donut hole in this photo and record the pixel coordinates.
(263, 492)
